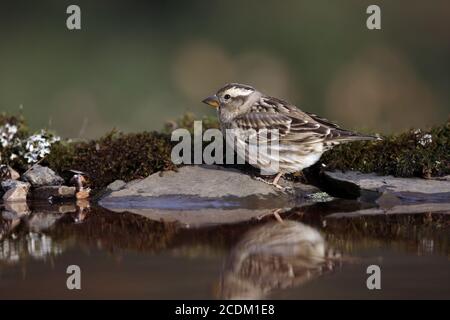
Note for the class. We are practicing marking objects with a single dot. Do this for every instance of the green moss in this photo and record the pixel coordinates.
(114, 156)
(186, 121)
(18, 121)
(130, 156)
(413, 153)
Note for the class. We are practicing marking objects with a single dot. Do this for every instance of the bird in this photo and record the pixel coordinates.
(302, 137)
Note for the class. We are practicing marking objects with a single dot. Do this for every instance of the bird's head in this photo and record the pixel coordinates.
(234, 98)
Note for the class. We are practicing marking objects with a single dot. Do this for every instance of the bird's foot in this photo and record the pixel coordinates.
(274, 184)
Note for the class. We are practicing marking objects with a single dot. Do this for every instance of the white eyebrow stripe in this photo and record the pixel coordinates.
(235, 91)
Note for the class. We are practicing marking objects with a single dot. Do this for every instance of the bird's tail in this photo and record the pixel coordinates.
(349, 136)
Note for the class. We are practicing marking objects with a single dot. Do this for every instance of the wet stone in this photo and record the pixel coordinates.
(371, 187)
(203, 195)
(14, 190)
(39, 176)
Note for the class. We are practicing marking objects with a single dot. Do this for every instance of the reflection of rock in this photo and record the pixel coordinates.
(39, 176)
(20, 208)
(29, 240)
(7, 224)
(15, 190)
(42, 221)
(273, 256)
(16, 209)
(36, 245)
(196, 217)
(443, 208)
(11, 216)
(201, 195)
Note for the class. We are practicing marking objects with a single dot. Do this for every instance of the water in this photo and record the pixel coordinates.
(311, 255)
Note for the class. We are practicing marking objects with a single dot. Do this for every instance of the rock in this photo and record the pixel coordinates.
(15, 190)
(47, 192)
(205, 182)
(388, 200)
(10, 184)
(369, 187)
(202, 195)
(15, 194)
(116, 185)
(6, 172)
(39, 176)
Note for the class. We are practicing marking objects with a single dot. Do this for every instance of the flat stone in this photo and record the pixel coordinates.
(202, 195)
(372, 186)
(200, 181)
(15, 190)
(39, 176)
(47, 192)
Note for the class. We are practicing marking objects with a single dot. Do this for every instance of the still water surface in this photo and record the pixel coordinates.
(311, 255)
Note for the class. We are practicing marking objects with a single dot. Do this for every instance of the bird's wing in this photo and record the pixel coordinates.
(304, 127)
(291, 123)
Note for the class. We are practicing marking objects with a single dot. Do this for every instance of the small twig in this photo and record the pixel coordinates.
(34, 165)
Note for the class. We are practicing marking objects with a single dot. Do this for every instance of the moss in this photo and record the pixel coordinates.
(186, 121)
(414, 153)
(114, 156)
(130, 156)
(18, 121)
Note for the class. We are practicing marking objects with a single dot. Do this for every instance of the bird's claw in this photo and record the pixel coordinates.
(276, 185)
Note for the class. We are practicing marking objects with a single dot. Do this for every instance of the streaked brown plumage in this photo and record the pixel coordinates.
(303, 137)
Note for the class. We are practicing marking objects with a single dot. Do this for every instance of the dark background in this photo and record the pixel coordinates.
(136, 64)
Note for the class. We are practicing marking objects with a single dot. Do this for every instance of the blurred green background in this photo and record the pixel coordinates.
(136, 64)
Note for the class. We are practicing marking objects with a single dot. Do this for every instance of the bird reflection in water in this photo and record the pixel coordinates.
(275, 256)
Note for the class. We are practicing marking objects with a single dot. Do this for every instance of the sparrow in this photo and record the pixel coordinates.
(302, 137)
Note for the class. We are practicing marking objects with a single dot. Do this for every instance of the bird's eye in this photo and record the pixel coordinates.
(227, 96)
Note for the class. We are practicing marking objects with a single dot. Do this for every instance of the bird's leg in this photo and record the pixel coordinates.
(274, 182)
(276, 179)
(275, 213)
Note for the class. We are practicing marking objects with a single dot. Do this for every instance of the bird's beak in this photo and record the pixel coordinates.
(212, 101)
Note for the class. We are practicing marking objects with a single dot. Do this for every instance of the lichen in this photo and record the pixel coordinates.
(18, 147)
